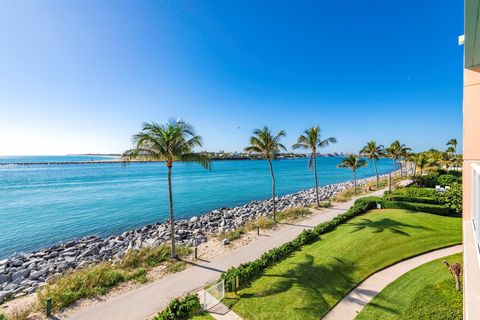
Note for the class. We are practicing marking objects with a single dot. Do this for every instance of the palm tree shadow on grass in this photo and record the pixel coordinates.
(385, 224)
(316, 282)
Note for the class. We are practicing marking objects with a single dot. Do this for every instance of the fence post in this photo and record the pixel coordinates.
(237, 284)
(196, 253)
(49, 307)
(258, 230)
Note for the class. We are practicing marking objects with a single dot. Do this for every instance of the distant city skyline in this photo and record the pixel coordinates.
(82, 76)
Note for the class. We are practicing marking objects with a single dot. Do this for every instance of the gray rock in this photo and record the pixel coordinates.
(4, 278)
(20, 274)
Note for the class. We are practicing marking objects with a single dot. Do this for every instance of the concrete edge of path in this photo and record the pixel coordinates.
(355, 300)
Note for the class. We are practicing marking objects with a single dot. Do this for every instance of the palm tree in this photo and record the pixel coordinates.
(421, 161)
(453, 143)
(397, 151)
(264, 143)
(311, 139)
(173, 141)
(353, 162)
(373, 152)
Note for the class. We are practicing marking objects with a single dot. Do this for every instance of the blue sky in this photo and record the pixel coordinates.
(81, 76)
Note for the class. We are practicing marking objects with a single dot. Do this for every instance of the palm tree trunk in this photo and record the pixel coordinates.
(355, 182)
(315, 175)
(173, 254)
(273, 189)
(376, 171)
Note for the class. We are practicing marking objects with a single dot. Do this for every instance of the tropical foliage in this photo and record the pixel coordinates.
(353, 162)
(267, 144)
(173, 141)
(311, 139)
(373, 152)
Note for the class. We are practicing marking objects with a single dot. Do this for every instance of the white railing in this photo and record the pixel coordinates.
(476, 206)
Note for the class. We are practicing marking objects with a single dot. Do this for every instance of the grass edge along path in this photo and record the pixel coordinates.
(313, 279)
(426, 292)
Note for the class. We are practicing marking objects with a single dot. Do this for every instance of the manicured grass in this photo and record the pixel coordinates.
(427, 292)
(204, 316)
(314, 279)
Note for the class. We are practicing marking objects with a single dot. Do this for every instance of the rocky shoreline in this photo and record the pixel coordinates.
(25, 273)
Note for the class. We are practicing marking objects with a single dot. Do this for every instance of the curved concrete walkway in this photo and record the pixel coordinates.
(354, 302)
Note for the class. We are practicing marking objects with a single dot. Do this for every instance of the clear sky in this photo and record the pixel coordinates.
(81, 76)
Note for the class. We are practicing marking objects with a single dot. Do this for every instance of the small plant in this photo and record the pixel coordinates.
(87, 282)
(293, 213)
(181, 308)
(325, 204)
(265, 223)
(176, 266)
(233, 235)
(19, 313)
(151, 256)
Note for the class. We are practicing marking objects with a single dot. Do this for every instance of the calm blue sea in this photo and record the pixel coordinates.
(41, 205)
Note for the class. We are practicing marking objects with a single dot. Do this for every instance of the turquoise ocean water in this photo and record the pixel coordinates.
(41, 205)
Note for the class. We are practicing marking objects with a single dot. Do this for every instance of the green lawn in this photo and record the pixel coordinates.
(314, 279)
(427, 292)
(204, 316)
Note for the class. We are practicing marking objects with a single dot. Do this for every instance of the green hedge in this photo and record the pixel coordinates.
(448, 179)
(421, 207)
(249, 271)
(181, 308)
(394, 197)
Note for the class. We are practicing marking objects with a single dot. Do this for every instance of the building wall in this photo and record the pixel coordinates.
(471, 133)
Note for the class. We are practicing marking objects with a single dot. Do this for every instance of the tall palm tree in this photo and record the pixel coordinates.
(373, 152)
(170, 142)
(311, 139)
(353, 162)
(398, 151)
(453, 143)
(268, 145)
(421, 161)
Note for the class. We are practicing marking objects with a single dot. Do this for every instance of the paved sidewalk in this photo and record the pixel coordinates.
(353, 303)
(143, 302)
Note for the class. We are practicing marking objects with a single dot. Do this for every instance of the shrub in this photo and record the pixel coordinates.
(370, 201)
(448, 179)
(414, 192)
(293, 213)
(181, 309)
(453, 198)
(3, 317)
(249, 271)
(233, 235)
(83, 283)
(264, 223)
(394, 197)
(151, 256)
(415, 206)
(325, 204)
(427, 181)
